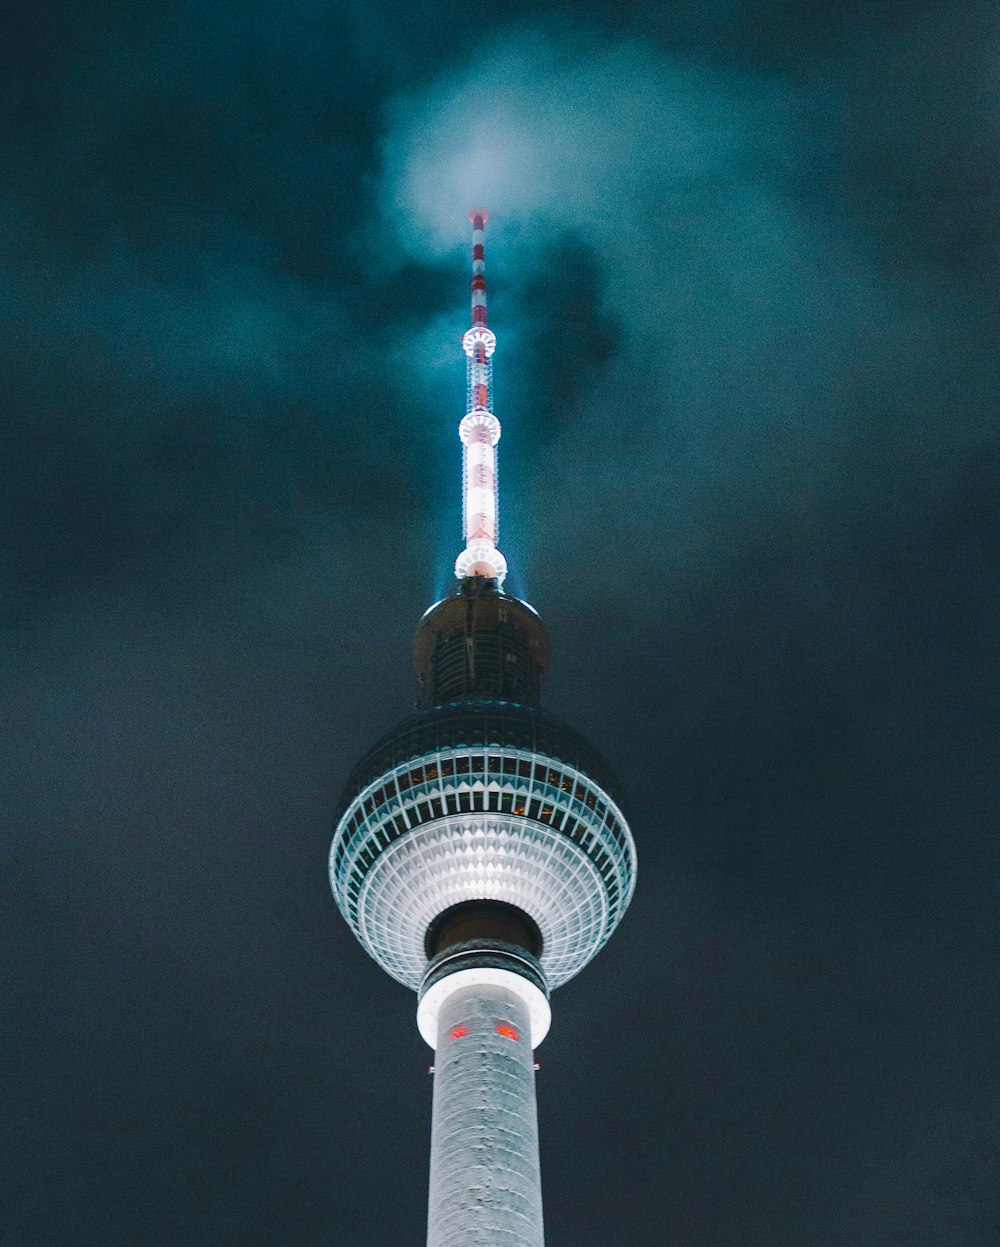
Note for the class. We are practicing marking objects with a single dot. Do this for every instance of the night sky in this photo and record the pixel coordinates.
(744, 274)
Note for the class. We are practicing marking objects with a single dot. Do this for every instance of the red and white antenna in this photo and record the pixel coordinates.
(480, 430)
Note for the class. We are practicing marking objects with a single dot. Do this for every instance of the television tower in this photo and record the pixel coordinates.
(480, 855)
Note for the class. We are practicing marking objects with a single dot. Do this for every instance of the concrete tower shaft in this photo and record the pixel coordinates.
(485, 1182)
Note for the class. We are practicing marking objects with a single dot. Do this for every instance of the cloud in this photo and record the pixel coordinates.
(557, 131)
(760, 366)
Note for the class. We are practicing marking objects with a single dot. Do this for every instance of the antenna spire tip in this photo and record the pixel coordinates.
(479, 213)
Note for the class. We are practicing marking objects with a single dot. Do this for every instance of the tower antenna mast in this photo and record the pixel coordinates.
(480, 430)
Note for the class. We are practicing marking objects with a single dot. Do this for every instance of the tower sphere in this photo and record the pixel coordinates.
(482, 800)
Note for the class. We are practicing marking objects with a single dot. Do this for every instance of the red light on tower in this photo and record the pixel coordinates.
(459, 1032)
(508, 1032)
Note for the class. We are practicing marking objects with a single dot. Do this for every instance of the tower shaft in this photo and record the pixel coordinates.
(485, 1184)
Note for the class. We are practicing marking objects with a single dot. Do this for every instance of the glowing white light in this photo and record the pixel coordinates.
(479, 335)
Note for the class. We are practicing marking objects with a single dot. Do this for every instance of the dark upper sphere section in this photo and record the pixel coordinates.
(480, 643)
(474, 724)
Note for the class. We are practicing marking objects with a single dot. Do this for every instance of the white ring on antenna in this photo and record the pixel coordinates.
(479, 335)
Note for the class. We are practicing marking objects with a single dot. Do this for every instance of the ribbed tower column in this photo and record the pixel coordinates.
(485, 1186)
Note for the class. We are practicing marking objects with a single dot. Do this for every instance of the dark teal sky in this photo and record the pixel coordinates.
(744, 274)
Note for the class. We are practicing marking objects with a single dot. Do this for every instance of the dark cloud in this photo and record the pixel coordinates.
(743, 272)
